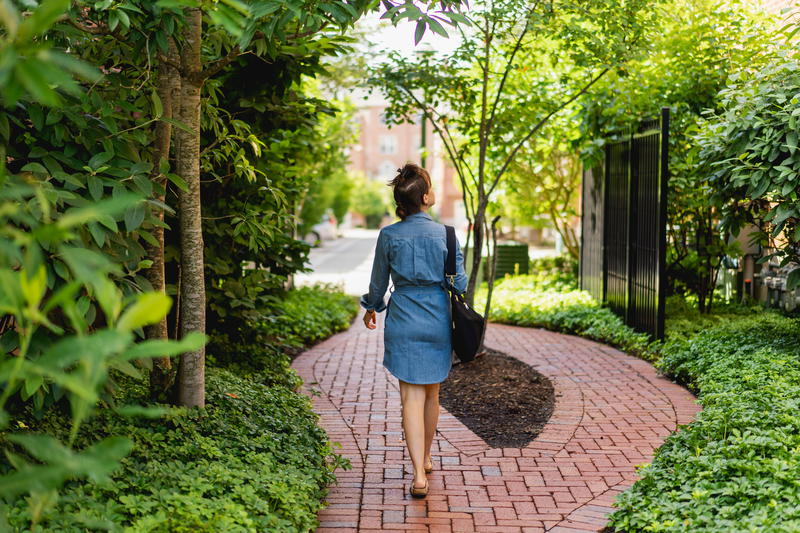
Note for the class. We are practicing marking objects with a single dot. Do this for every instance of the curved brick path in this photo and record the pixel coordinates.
(611, 412)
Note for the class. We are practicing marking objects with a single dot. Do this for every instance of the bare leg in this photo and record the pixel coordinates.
(431, 417)
(413, 398)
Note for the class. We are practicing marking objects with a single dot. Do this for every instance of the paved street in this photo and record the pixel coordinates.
(347, 261)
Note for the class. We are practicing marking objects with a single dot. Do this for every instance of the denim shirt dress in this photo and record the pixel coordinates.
(417, 335)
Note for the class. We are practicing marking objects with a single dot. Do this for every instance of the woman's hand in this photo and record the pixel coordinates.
(369, 319)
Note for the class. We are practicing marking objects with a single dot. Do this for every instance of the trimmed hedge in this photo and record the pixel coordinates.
(737, 467)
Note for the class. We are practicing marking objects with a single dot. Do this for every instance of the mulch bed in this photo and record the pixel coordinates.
(501, 399)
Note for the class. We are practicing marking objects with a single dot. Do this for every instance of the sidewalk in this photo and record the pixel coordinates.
(611, 412)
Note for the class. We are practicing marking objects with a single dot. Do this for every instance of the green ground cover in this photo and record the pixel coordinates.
(735, 468)
(550, 298)
(254, 459)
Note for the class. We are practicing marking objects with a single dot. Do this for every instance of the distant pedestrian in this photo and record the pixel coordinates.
(417, 335)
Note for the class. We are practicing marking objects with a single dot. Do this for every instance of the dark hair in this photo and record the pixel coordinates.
(410, 185)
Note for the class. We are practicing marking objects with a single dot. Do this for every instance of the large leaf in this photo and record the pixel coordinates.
(162, 348)
(149, 308)
(42, 18)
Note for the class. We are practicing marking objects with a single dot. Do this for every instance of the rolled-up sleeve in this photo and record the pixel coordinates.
(379, 281)
(460, 281)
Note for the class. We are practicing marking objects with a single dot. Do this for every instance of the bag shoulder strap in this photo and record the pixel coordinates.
(450, 263)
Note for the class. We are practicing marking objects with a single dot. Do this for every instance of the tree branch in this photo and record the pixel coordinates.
(541, 123)
(220, 64)
(507, 70)
(96, 29)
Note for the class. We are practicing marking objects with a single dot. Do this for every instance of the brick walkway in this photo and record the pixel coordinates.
(611, 412)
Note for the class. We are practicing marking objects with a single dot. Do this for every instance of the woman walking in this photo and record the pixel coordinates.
(417, 335)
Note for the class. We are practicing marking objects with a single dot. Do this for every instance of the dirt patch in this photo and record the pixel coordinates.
(501, 399)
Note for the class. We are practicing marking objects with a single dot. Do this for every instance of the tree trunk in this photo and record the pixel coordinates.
(492, 268)
(191, 375)
(162, 375)
(477, 251)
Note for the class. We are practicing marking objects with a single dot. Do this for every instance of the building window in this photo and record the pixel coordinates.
(388, 144)
(387, 170)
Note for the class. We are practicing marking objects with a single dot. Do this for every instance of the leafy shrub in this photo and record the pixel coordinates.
(310, 314)
(736, 467)
(749, 150)
(300, 317)
(252, 460)
(553, 303)
(684, 319)
(555, 272)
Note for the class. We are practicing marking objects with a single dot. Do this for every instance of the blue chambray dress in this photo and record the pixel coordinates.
(417, 342)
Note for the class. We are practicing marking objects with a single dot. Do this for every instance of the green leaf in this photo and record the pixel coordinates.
(77, 67)
(69, 350)
(111, 206)
(791, 141)
(43, 447)
(31, 385)
(103, 458)
(123, 18)
(140, 411)
(420, 31)
(36, 168)
(436, 27)
(149, 308)
(95, 187)
(100, 159)
(5, 129)
(134, 217)
(163, 348)
(239, 6)
(42, 18)
(9, 18)
(33, 288)
(178, 182)
(86, 264)
(126, 368)
(32, 73)
(158, 108)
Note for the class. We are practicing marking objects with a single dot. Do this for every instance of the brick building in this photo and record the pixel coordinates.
(381, 150)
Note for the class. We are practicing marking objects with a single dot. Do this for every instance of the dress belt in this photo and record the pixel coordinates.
(418, 288)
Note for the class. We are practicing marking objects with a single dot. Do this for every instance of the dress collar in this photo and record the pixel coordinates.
(421, 214)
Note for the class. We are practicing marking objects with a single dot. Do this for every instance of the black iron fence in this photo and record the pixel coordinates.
(624, 218)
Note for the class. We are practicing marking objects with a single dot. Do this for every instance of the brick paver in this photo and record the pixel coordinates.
(611, 412)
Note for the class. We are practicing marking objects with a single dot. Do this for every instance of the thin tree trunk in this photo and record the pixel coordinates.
(477, 252)
(492, 270)
(483, 141)
(161, 376)
(191, 375)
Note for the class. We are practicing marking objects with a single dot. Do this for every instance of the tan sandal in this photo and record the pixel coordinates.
(429, 467)
(419, 492)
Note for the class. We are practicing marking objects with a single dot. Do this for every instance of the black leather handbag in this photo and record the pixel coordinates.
(468, 325)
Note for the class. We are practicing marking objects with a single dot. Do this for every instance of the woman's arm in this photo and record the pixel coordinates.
(460, 281)
(379, 282)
